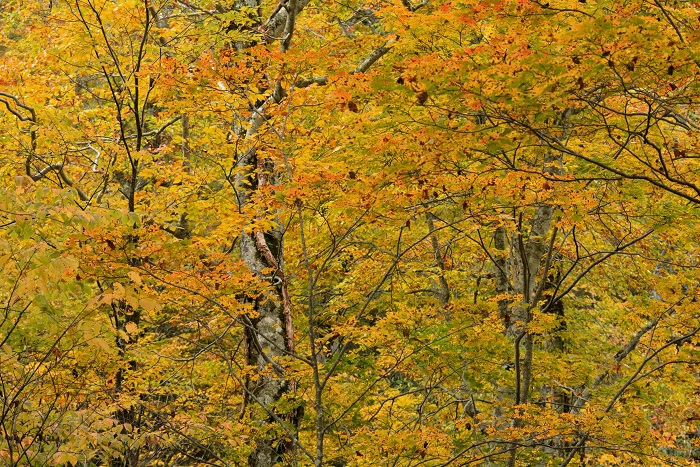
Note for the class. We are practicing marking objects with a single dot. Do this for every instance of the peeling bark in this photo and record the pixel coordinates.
(269, 333)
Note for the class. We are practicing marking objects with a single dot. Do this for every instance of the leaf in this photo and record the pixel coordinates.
(135, 277)
(149, 304)
(65, 458)
(131, 328)
(101, 343)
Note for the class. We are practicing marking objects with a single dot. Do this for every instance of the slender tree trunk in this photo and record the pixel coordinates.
(442, 289)
(501, 273)
(520, 273)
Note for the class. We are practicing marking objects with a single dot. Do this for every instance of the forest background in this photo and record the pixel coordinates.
(349, 233)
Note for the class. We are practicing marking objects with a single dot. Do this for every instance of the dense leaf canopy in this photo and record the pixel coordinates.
(359, 233)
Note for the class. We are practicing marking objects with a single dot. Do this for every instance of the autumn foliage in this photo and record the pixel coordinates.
(363, 233)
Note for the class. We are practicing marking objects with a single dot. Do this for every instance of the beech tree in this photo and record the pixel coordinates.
(360, 233)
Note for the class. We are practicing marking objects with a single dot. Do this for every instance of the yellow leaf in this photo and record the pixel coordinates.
(131, 328)
(101, 344)
(135, 277)
(149, 304)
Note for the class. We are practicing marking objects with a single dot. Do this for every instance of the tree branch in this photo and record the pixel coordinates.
(18, 103)
(376, 55)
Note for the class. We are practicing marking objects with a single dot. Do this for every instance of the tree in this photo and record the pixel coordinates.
(387, 233)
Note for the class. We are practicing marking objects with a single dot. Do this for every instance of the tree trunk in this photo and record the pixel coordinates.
(269, 332)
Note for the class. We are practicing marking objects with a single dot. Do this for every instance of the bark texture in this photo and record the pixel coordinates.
(268, 333)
